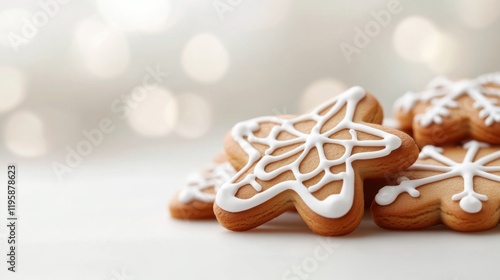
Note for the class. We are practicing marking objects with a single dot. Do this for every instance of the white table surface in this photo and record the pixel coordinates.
(108, 220)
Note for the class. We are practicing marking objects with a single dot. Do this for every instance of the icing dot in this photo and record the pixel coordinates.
(411, 191)
(384, 197)
(357, 92)
(471, 204)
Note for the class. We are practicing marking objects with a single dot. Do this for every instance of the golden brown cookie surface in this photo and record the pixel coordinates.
(315, 163)
(457, 186)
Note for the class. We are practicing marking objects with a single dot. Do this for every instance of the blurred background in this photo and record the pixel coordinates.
(106, 105)
(67, 65)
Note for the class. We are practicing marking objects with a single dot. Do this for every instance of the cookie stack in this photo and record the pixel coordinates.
(320, 163)
(456, 179)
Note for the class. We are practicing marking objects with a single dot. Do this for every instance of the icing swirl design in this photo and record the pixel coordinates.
(469, 200)
(333, 206)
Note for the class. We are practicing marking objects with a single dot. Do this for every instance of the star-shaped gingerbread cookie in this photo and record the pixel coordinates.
(456, 186)
(449, 112)
(314, 163)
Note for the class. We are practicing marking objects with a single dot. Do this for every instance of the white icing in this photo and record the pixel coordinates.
(406, 102)
(335, 205)
(435, 88)
(469, 200)
(214, 176)
(443, 95)
(438, 82)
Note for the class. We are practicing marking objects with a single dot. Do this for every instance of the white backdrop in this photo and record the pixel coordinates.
(107, 105)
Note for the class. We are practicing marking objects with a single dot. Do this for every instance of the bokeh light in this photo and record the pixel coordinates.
(133, 15)
(24, 134)
(195, 115)
(416, 39)
(260, 14)
(11, 21)
(205, 59)
(156, 115)
(445, 56)
(103, 49)
(478, 13)
(12, 88)
(318, 92)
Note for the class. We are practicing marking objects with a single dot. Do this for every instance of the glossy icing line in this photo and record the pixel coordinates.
(214, 176)
(469, 200)
(335, 205)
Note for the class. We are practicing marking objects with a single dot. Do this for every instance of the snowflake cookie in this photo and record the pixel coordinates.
(449, 112)
(195, 200)
(314, 163)
(456, 186)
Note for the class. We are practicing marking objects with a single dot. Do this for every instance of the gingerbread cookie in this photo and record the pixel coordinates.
(449, 112)
(456, 186)
(195, 200)
(315, 163)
